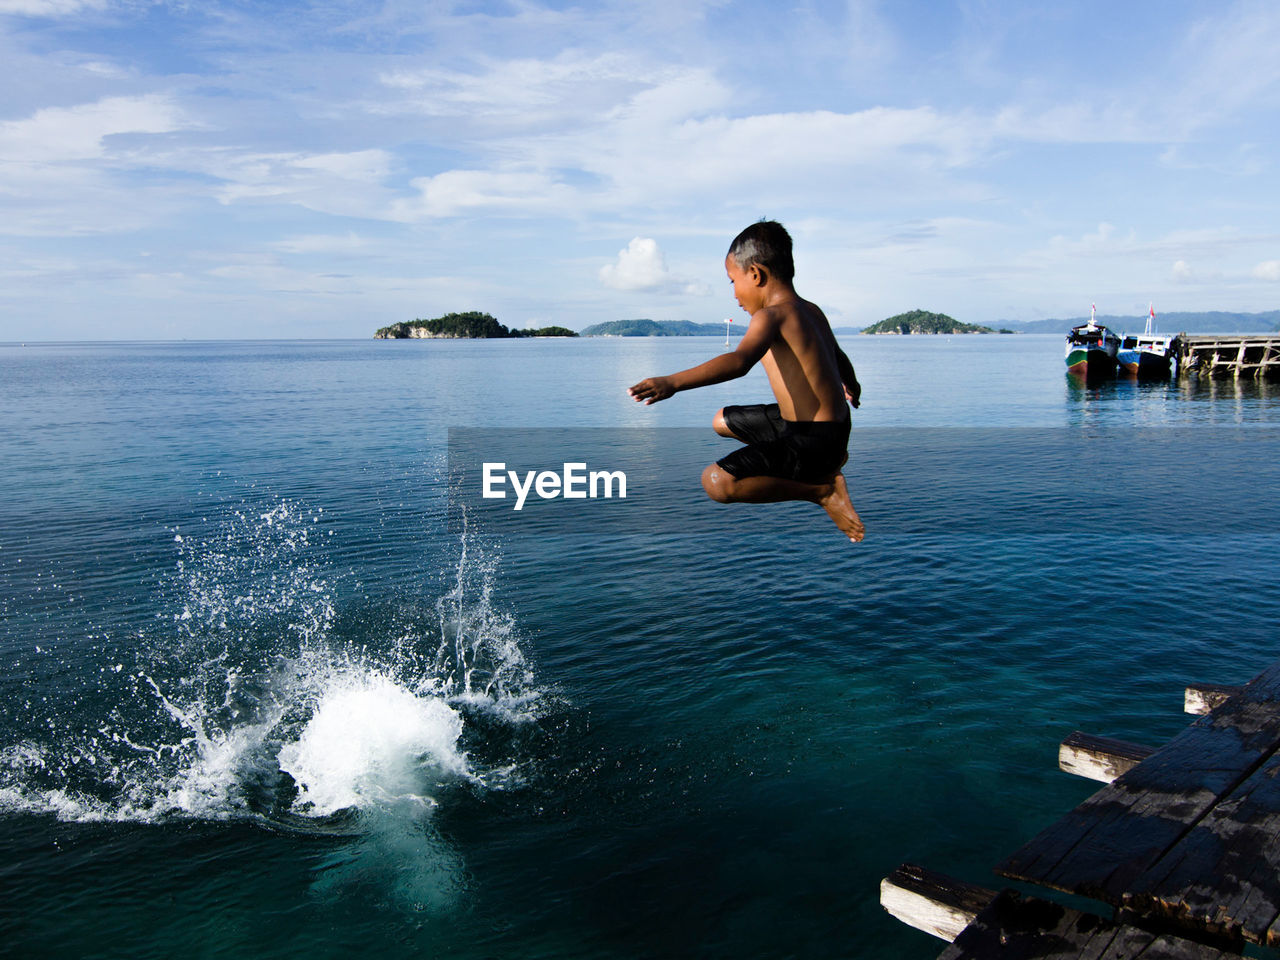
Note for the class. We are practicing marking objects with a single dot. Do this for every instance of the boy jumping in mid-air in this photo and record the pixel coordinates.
(795, 447)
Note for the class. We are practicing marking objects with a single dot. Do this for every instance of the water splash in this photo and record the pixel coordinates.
(478, 660)
(370, 739)
(251, 703)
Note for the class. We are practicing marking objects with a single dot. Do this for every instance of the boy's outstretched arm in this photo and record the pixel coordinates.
(728, 366)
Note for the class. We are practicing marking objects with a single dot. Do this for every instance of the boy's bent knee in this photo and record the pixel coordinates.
(718, 483)
(718, 424)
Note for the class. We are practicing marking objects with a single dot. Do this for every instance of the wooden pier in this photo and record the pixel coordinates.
(1183, 844)
(1247, 355)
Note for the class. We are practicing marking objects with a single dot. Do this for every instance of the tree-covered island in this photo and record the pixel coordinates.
(922, 321)
(471, 325)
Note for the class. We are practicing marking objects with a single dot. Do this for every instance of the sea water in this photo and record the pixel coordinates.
(263, 694)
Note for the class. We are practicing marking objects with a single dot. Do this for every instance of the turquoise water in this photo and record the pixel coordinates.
(261, 696)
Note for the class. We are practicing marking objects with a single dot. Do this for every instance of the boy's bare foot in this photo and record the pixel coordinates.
(840, 509)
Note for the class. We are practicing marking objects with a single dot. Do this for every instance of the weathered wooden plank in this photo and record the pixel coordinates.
(1100, 758)
(932, 902)
(1104, 844)
(1200, 698)
(1014, 928)
(1224, 875)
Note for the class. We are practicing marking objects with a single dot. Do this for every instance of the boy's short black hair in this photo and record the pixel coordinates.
(767, 244)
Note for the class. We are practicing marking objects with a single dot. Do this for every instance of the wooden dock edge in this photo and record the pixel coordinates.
(933, 902)
(947, 908)
(1100, 758)
(1248, 355)
(1201, 698)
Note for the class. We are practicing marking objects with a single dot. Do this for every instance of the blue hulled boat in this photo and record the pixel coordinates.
(1148, 355)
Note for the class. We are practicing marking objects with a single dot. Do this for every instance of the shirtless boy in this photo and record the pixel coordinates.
(795, 447)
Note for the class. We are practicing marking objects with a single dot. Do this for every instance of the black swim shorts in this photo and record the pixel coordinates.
(808, 451)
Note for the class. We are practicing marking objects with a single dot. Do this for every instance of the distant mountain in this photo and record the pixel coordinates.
(1214, 321)
(653, 328)
(924, 322)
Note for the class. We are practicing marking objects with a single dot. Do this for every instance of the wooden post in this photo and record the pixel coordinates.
(1100, 758)
(932, 902)
(1200, 698)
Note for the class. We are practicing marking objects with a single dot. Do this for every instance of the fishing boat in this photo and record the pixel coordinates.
(1146, 356)
(1092, 349)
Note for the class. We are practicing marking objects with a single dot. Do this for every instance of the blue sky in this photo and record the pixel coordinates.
(246, 169)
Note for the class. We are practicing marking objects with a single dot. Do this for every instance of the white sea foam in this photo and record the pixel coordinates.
(371, 740)
(19, 764)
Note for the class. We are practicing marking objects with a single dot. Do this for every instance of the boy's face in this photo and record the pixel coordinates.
(747, 288)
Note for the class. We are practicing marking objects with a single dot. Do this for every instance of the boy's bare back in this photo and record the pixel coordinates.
(801, 361)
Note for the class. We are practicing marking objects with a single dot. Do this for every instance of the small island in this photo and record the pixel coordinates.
(922, 321)
(653, 328)
(471, 325)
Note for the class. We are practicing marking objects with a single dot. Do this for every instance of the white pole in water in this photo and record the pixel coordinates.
(727, 321)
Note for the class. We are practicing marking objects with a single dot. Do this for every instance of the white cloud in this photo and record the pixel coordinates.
(523, 90)
(1242, 160)
(322, 243)
(1229, 62)
(274, 278)
(648, 133)
(104, 69)
(1268, 270)
(48, 8)
(641, 266)
(362, 165)
(346, 184)
(855, 35)
(654, 153)
(62, 134)
(1102, 242)
(1183, 272)
(1078, 123)
(62, 168)
(458, 192)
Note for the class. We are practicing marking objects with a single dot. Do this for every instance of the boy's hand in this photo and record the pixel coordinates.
(652, 389)
(854, 395)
